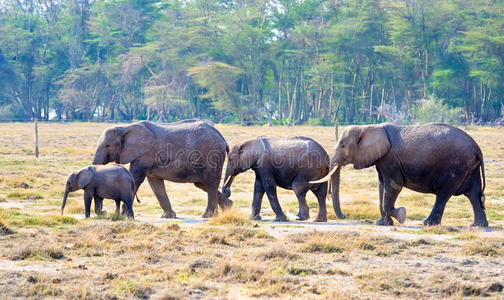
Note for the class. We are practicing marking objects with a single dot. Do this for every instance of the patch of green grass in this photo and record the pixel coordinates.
(14, 217)
(48, 221)
(493, 215)
(24, 195)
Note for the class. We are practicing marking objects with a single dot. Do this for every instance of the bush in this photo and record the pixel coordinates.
(275, 122)
(10, 113)
(316, 122)
(435, 110)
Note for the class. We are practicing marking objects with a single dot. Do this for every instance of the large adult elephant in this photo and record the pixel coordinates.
(434, 158)
(186, 151)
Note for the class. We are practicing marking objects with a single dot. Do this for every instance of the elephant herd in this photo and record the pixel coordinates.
(434, 158)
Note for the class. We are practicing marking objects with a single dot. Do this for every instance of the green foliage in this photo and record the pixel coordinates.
(316, 122)
(251, 62)
(435, 110)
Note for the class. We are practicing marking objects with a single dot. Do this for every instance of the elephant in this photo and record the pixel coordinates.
(289, 163)
(102, 181)
(433, 158)
(185, 151)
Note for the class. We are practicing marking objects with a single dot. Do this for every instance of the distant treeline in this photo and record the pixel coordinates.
(253, 61)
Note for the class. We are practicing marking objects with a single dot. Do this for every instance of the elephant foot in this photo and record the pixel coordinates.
(320, 219)
(480, 223)
(102, 213)
(400, 214)
(430, 221)
(340, 216)
(227, 204)
(169, 215)
(281, 218)
(255, 217)
(385, 221)
(210, 214)
(302, 217)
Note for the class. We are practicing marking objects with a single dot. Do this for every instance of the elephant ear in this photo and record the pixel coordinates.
(373, 144)
(136, 140)
(84, 177)
(250, 153)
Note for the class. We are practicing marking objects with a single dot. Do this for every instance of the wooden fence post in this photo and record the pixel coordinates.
(336, 125)
(35, 120)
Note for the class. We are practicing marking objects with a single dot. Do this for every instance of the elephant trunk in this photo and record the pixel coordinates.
(226, 190)
(335, 185)
(99, 157)
(65, 196)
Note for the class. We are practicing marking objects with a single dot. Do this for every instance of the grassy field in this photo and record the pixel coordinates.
(44, 254)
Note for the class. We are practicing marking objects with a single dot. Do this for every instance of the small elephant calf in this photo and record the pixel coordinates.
(102, 181)
(289, 163)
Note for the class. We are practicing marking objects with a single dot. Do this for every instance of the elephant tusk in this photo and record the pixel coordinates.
(327, 178)
(227, 180)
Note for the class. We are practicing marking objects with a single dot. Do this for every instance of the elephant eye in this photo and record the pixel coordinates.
(106, 146)
(342, 146)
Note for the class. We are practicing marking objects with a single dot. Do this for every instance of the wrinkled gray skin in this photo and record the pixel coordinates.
(434, 158)
(289, 163)
(99, 181)
(186, 151)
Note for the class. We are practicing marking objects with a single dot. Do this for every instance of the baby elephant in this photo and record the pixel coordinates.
(289, 163)
(102, 181)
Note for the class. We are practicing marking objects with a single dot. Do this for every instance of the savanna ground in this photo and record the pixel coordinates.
(45, 254)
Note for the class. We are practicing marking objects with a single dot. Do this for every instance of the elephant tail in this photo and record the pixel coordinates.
(483, 181)
(136, 192)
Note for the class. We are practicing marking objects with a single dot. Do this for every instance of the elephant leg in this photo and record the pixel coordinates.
(474, 195)
(118, 207)
(158, 187)
(321, 194)
(98, 204)
(88, 197)
(269, 186)
(257, 201)
(212, 192)
(437, 211)
(384, 220)
(389, 198)
(128, 201)
(300, 188)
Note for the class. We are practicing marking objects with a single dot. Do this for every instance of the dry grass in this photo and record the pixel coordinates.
(231, 217)
(43, 254)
